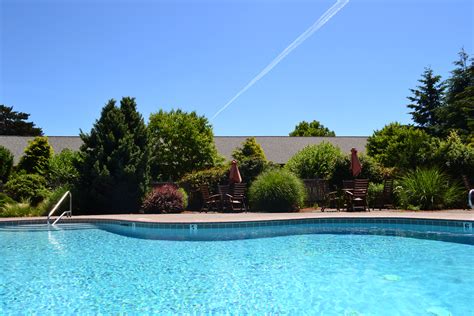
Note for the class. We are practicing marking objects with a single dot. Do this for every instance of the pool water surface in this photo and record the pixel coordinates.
(96, 271)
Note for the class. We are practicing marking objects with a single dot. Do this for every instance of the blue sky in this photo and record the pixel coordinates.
(62, 60)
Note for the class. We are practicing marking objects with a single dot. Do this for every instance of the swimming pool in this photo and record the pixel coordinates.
(359, 269)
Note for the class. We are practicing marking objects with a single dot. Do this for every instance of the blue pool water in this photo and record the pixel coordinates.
(96, 271)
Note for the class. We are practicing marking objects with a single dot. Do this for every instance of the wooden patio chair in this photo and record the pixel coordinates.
(328, 198)
(238, 197)
(209, 202)
(229, 201)
(385, 199)
(347, 184)
(357, 197)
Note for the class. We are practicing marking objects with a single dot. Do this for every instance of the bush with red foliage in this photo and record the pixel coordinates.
(164, 199)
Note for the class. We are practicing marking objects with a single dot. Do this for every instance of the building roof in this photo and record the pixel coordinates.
(280, 149)
(277, 148)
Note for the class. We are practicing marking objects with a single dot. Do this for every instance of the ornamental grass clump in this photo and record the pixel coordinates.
(277, 190)
(165, 199)
(428, 189)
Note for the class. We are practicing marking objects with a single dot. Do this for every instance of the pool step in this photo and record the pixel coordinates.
(45, 227)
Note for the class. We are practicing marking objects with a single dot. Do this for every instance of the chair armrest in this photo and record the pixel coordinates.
(214, 196)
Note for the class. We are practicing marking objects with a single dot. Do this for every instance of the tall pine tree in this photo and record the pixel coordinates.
(14, 123)
(114, 168)
(458, 113)
(426, 101)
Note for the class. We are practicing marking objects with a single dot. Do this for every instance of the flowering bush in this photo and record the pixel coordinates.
(165, 199)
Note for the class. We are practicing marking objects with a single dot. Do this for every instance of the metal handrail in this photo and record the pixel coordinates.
(69, 213)
(470, 196)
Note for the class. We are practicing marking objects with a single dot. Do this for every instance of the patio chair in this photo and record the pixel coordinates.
(385, 198)
(328, 198)
(347, 184)
(209, 202)
(238, 197)
(357, 197)
(228, 201)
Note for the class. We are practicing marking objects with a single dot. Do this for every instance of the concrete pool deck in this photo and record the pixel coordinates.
(195, 217)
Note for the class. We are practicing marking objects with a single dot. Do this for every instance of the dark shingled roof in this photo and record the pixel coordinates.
(280, 149)
(277, 148)
(17, 144)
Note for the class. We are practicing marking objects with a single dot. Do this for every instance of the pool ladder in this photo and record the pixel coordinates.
(67, 213)
(470, 197)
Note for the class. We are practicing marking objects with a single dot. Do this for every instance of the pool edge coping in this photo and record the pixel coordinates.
(246, 218)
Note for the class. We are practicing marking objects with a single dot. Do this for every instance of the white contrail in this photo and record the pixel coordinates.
(313, 28)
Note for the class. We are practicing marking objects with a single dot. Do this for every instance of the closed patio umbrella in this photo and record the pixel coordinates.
(356, 167)
(234, 174)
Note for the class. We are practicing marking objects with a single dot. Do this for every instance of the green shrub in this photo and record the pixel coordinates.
(428, 189)
(5, 199)
(316, 161)
(36, 157)
(20, 210)
(250, 169)
(401, 146)
(371, 170)
(52, 198)
(62, 168)
(277, 190)
(373, 193)
(185, 197)
(192, 181)
(6, 163)
(11, 208)
(31, 187)
(455, 157)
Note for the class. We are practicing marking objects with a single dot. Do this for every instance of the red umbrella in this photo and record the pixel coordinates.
(234, 174)
(356, 167)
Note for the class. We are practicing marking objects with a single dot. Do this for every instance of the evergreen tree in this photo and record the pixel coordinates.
(458, 113)
(37, 156)
(251, 160)
(314, 128)
(250, 150)
(114, 172)
(426, 101)
(6, 163)
(14, 123)
(462, 76)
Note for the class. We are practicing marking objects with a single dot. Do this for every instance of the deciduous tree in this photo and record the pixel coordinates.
(314, 128)
(181, 142)
(400, 146)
